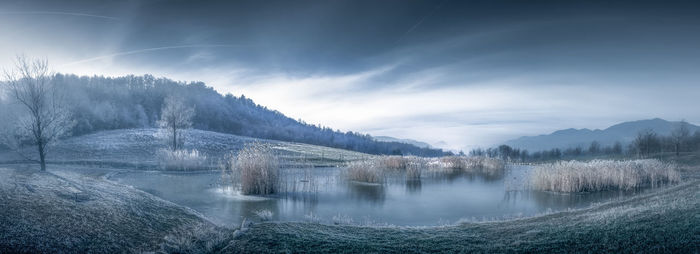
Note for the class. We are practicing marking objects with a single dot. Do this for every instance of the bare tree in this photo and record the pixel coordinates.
(594, 148)
(175, 116)
(679, 135)
(646, 143)
(44, 115)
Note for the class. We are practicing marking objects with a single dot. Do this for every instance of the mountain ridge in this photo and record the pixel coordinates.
(624, 133)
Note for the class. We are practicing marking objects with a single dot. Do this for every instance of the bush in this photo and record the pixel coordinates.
(181, 159)
(364, 171)
(258, 170)
(598, 175)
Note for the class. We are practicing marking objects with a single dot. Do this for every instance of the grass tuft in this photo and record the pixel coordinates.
(181, 159)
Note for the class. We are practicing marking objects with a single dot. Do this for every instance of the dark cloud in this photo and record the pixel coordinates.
(417, 45)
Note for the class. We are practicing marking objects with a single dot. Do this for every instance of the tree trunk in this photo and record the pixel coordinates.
(42, 156)
(174, 139)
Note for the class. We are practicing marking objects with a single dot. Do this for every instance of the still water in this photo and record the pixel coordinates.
(322, 194)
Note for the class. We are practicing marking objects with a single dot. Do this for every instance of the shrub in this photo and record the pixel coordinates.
(258, 170)
(364, 171)
(598, 175)
(181, 159)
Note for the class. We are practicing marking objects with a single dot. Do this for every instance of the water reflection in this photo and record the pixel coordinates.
(325, 193)
(413, 186)
(372, 193)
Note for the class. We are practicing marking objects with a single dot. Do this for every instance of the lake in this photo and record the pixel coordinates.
(322, 194)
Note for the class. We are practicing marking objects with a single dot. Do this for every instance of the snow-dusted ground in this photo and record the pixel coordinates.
(74, 209)
(66, 211)
(665, 221)
(138, 147)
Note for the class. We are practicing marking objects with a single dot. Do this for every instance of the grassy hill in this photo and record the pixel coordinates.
(139, 147)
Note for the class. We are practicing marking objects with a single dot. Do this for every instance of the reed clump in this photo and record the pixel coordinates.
(472, 164)
(365, 171)
(181, 159)
(599, 175)
(257, 169)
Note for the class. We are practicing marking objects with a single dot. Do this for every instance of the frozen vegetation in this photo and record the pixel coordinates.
(365, 171)
(140, 148)
(181, 159)
(473, 164)
(47, 212)
(257, 169)
(662, 221)
(598, 175)
(374, 169)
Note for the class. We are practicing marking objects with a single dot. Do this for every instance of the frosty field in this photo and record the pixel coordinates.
(112, 194)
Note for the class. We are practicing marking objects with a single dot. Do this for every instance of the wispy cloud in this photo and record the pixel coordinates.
(145, 50)
(75, 14)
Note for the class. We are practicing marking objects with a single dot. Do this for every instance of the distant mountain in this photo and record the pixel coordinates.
(623, 132)
(402, 140)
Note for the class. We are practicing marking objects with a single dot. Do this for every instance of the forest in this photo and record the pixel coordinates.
(100, 103)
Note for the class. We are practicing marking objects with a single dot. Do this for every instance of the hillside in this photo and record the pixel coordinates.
(110, 103)
(623, 133)
(402, 140)
(138, 148)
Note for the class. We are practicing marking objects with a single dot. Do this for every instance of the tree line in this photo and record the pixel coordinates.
(646, 144)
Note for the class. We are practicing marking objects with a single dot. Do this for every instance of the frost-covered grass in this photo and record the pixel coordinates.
(598, 175)
(181, 159)
(364, 171)
(661, 221)
(264, 214)
(258, 170)
(139, 147)
(65, 212)
(196, 238)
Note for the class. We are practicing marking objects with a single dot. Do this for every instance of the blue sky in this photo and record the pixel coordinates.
(456, 74)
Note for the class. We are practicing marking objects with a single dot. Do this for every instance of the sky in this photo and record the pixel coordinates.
(455, 74)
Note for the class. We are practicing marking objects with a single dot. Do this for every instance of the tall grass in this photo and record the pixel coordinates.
(598, 175)
(393, 162)
(181, 159)
(364, 171)
(472, 164)
(257, 169)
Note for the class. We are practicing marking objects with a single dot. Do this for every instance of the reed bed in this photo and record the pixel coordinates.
(473, 164)
(365, 171)
(599, 175)
(374, 170)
